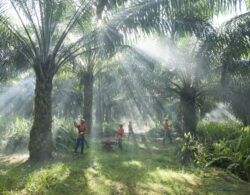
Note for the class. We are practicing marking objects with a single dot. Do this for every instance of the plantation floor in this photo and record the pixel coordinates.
(139, 169)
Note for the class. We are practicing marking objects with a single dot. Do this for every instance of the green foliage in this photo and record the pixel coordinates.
(157, 131)
(233, 153)
(16, 135)
(188, 149)
(66, 95)
(110, 129)
(226, 146)
(136, 170)
(240, 90)
(12, 61)
(64, 133)
(211, 132)
(4, 123)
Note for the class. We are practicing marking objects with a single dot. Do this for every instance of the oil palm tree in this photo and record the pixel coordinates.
(46, 51)
(86, 70)
(181, 78)
(231, 43)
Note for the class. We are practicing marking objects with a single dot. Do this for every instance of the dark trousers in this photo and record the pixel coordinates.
(120, 143)
(131, 133)
(78, 141)
(167, 134)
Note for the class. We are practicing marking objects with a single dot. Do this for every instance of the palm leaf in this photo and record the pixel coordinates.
(221, 160)
(165, 16)
(247, 162)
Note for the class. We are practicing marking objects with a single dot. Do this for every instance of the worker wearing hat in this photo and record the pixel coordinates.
(166, 131)
(82, 130)
(120, 135)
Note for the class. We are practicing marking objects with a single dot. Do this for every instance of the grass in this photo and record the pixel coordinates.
(145, 168)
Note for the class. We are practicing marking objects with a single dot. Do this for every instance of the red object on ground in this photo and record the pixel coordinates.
(107, 144)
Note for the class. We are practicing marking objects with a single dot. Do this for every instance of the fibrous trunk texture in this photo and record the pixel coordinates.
(88, 81)
(41, 143)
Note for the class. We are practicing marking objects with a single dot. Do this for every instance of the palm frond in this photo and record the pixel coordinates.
(2, 8)
(167, 17)
(102, 5)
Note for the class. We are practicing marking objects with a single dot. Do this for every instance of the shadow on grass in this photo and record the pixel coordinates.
(59, 176)
(141, 168)
(132, 167)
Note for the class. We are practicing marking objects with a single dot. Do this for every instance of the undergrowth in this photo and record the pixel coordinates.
(141, 168)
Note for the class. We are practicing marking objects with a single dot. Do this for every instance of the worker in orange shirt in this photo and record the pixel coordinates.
(120, 135)
(82, 130)
(166, 131)
(130, 130)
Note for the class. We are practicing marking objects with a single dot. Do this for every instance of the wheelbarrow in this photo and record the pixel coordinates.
(107, 144)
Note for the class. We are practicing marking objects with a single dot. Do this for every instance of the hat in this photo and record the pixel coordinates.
(121, 124)
(165, 119)
(82, 120)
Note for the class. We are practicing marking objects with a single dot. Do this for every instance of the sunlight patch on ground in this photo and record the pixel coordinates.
(13, 159)
(133, 163)
(100, 184)
(157, 187)
(172, 175)
(171, 181)
(58, 171)
(109, 173)
(40, 182)
(142, 146)
(156, 148)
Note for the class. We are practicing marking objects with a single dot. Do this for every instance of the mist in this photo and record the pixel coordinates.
(17, 97)
(220, 113)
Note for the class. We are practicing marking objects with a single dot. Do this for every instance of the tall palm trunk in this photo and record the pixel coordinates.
(41, 144)
(189, 114)
(108, 112)
(88, 82)
(246, 120)
(99, 108)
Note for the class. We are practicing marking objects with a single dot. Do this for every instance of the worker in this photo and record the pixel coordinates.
(130, 130)
(166, 131)
(120, 135)
(82, 130)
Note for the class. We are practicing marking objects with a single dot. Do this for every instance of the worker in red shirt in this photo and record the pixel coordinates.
(82, 130)
(130, 130)
(120, 135)
(166, 131)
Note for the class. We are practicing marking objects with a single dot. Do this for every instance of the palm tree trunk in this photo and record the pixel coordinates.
(41, 144)
(99, 110)
(246, 120)
(189, 115)
(108, 112)
(99, 105)
(88, 82)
